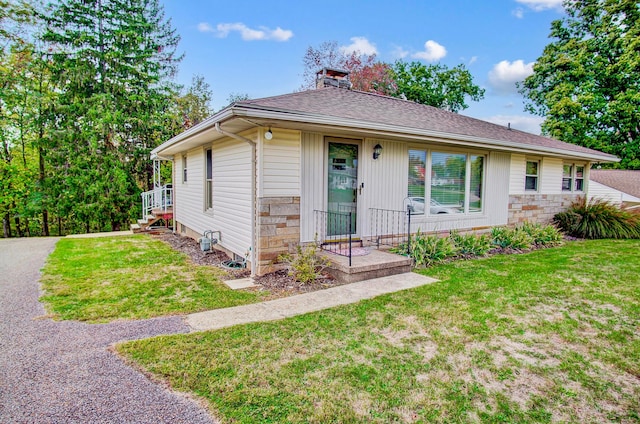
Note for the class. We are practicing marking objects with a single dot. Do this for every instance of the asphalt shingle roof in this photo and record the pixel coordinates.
(361, 106)
(622, 180)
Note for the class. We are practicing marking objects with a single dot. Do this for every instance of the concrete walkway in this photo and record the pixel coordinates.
(303, 303)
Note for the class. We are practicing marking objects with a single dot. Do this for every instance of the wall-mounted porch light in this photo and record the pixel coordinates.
(268, 135)
(377, 150)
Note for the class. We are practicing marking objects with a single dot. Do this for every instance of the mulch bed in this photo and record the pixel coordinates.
(278, 283)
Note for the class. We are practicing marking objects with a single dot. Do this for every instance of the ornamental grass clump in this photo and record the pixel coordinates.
(598, 219)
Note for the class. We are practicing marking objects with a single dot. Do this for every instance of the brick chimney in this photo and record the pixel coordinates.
(328, 77)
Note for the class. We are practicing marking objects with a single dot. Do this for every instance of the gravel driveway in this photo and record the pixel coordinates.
(62, 372)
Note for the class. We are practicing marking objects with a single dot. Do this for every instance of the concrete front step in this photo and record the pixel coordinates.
(374, 265)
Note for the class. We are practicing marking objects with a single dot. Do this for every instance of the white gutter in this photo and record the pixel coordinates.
(195, 130)
(387, 129)
(254, 204)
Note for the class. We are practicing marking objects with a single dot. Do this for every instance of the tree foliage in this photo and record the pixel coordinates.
(586, 82)
(86, 93)
(195, 104)
(434, 85)
(113, 60)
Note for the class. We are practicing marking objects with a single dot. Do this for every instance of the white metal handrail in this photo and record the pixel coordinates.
(160, 198)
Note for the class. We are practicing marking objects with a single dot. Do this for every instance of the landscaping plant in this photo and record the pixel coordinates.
(306, 265)
(471, 244)
(511, 238)
(598, 219)
(427, 250)
(543, 235)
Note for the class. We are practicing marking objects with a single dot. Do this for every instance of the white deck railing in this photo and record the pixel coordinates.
(157, 199)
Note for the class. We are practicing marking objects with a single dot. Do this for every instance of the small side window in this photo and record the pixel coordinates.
(532, 173)
(208, 195)
(184, 169)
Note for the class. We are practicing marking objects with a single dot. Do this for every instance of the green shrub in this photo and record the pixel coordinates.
(306, 265)
(598, 219)
(512, 238)
(427, 250)
(543, 235)
(471, 244)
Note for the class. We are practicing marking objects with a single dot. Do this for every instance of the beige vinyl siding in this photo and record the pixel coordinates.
(496, 187)
(189, 195)
(312, 184)
(280, 165)
(231, 213)
(517, 174)
(232, 206)
(385, 180)
(603, 192)
(551, 176)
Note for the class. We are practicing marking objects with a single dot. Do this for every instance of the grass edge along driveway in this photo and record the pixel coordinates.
(130, 277)
(552, 335)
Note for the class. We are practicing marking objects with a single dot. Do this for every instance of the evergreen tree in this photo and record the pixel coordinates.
(113, 61)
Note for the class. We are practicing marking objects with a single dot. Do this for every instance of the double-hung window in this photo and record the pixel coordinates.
(208, 186)
(572, 177)
(532, 174)
(445, 183)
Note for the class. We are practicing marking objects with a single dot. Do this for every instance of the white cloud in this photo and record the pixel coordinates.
(504, 75)
(432, 52)
(360, 45)
(518, 13)
(530, 124)
(399, 53)
(540, 5)
(247, 34)
(473, 60)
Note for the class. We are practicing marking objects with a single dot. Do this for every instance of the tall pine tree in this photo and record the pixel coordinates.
(113, 61)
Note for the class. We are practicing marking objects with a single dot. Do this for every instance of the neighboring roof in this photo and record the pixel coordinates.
(625, 181)
(370, 113)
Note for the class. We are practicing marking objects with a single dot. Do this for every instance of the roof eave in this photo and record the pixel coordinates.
(268, 113)
(259, 112)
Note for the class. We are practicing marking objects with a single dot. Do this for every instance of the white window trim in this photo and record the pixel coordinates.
(184, 169)
(467, 182)
(574, 176)
(537, 176)
(208, 188)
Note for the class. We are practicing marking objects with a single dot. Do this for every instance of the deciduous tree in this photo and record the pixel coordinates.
(436, 85)
(586, 83)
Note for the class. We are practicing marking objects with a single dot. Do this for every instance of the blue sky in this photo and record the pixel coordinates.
(256, 47)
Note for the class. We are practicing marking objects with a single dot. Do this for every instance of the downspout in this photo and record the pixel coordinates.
(254, 165)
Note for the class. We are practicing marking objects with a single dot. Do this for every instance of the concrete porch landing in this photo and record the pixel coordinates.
(376, 264)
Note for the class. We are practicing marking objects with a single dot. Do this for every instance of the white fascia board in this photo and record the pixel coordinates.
(257, 112)
(386, 129)
(205, 125)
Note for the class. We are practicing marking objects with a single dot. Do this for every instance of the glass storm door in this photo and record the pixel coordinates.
(342, 195)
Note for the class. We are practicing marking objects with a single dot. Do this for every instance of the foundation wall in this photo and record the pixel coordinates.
(538, 208)
(278, 230)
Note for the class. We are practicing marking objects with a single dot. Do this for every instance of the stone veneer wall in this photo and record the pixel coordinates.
(278, 230)
(538, 207)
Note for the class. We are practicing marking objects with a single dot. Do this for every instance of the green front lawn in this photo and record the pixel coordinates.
(548, 336)
(103, 279)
